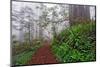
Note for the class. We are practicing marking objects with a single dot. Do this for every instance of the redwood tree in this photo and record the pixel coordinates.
(78, 14)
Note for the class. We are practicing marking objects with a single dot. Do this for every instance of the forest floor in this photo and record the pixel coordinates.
(44, 55)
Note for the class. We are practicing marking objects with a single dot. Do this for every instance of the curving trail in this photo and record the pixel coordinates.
(44, 55)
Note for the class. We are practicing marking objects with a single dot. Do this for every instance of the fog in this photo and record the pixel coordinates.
(47, 31)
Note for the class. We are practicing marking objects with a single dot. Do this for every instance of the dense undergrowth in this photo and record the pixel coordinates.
(23, 52)
(76, 44)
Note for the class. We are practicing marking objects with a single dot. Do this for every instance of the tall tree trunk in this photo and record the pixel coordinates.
(40, 32)
(78, 14)
(54, 30)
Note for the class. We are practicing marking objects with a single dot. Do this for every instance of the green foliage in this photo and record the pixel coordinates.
(76, 43)
(20, 47)
(25, 56)
(22, 58)
(23, 51)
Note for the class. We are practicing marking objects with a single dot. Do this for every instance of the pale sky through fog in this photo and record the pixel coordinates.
(17, 6)
(32, 4)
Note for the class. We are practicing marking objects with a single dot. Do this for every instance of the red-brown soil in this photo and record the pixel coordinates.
(43, 55)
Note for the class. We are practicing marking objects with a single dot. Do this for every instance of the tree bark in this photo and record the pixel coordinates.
(78, 14)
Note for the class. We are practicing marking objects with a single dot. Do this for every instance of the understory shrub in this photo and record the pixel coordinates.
(76, 44)
(22, 53)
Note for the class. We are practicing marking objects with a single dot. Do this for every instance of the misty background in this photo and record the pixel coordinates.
(37, 19)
